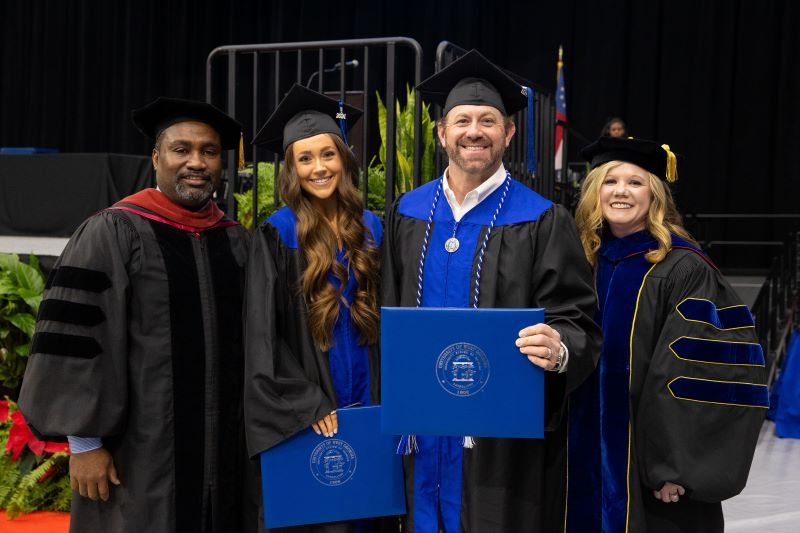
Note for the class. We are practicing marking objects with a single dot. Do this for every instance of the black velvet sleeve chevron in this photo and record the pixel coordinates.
(76, 379)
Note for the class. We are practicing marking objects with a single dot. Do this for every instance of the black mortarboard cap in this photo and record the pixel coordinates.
(655, 158)
(163, 112)
(304, 113)
(474, 80)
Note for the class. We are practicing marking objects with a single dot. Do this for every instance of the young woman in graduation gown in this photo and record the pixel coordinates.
(311, 312)
(666, 427)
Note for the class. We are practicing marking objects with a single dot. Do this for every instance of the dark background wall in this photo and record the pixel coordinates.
(717, 80)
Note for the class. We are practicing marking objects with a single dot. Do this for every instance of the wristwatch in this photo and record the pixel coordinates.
(560, 359)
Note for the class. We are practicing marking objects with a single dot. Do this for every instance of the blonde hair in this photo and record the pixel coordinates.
(318, 244)
(663, 218)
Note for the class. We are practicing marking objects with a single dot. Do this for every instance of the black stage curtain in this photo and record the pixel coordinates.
(52, 194)
(717, 79)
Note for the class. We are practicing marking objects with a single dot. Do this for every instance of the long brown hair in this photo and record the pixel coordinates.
(662, 218)
(318, 244)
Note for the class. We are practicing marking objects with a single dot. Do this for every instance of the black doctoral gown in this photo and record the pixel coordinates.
(679, 395)
(533, 258)
(138, 342)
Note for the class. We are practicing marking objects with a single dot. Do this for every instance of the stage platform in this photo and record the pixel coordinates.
(39, 246)
(769, 501)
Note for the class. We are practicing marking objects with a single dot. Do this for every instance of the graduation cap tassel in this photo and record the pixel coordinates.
(527, 91)
(407, 445)
(241, 151)
(672, 164)
(469, 442)
(342, 117)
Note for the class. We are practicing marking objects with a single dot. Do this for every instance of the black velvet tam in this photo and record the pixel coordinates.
(653, 157)
(163, 112)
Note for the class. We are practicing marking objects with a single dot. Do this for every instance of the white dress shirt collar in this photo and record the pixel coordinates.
(475, 196)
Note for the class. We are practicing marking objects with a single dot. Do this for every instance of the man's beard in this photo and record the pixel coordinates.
(192, 196)
(470, 165)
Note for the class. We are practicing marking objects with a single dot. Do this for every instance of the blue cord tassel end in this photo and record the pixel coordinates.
(407, 445)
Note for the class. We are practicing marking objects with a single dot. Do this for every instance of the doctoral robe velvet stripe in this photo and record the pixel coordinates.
(188, 370)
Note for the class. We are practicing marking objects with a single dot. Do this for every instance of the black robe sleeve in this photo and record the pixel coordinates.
(390, 282)
(279, 398)
(77, 374)
(562, 284)
(705, 446)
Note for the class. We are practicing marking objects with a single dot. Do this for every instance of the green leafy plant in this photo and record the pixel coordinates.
(21, 288)
(376, 191)
(266, 196)
(34, 474)
(404, 142)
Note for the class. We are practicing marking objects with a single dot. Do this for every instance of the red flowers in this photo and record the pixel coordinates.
(20, 436)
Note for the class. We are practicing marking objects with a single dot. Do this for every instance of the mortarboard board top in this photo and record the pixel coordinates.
(163, 112)
(655, 158)
(301, 114)
(474, 80)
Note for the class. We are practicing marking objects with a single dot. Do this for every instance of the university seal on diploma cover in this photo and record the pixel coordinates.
(462, 369)
(333, 462)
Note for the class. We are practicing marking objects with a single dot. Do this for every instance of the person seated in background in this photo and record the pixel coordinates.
(666, 426)
(614, 128)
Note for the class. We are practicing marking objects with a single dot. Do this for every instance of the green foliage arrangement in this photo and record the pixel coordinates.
(266, 197)
(21, 288)
(404, 141)
(34, 475)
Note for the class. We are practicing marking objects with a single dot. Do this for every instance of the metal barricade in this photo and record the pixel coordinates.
(274, 67)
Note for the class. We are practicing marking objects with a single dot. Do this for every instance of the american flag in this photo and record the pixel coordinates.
(561, 110)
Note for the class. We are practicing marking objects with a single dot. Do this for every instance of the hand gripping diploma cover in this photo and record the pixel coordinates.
(458, 372)
(310, 479)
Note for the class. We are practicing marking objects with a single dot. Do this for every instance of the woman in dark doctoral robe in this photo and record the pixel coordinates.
(666, 427)
(311, 313)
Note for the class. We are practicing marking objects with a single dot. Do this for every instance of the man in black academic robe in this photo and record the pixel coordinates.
(477, 238)
(137, 355)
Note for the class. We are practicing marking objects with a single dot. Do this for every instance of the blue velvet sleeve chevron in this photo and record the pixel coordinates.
(720, 392)
(718, 352)
(725, 318)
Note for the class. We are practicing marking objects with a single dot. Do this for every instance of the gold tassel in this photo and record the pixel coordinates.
(241, 151)
(672, 164)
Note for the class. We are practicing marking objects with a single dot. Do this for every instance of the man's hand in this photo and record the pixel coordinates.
(541, 344)
(670, 492)
(90, 472)
(327, 426)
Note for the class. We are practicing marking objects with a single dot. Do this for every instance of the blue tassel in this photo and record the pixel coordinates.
(407, 445)
(342, 122)
(531, 131)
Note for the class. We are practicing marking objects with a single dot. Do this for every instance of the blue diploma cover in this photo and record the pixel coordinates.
(309, 479)
(458, 372)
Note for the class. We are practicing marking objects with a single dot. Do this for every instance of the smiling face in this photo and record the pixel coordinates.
(188, 163)
(318, 165)
(475, 138)
(625, 198)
